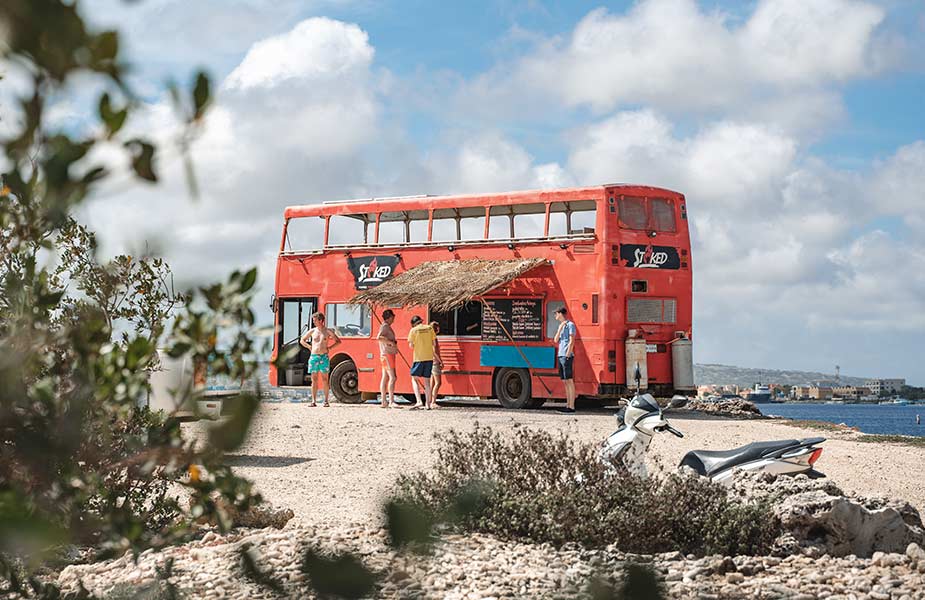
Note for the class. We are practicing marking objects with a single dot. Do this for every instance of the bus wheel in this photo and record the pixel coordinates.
(512, 388)
(344, 383)
(537, 402)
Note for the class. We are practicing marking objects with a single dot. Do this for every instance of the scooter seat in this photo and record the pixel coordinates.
(710, 462)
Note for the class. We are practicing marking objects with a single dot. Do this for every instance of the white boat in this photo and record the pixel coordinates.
(896, 401)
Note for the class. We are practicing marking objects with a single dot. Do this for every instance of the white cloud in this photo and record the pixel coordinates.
(781, 64)
(798, 42)
(490, 162)
(294, 137)
(316, 49)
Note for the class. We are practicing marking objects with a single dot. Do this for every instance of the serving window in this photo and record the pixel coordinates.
(465, 320)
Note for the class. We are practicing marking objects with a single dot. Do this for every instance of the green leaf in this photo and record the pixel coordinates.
(250, 278)
(113, 119)
(142, 159)
(342, 575)
(106, 46)
(201, 95)
(230, 434)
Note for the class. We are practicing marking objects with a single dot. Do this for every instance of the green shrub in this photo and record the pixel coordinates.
(533, 485)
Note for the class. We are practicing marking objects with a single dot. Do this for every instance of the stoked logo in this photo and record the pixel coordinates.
(372, 270)
(649, 257)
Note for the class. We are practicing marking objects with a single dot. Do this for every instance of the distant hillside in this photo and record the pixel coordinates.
(745, 377)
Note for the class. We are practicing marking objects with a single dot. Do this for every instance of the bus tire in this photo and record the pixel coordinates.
(512, 388)
(344, 383)
(537, 402)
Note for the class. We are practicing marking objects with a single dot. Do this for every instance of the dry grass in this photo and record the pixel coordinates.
(444, 285)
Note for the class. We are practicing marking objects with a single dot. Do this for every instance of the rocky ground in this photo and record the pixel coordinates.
(479, 566)
(735, 408)
(333, 467)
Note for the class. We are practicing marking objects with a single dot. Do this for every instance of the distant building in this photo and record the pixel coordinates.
(798, 392)
(849, 391)
(880, 387)
(820, 392)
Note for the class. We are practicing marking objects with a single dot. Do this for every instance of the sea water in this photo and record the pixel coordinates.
(869, 418)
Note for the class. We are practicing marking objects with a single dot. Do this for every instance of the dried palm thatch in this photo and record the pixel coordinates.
(444, 285)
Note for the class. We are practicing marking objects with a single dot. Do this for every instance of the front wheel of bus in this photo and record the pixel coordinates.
(344, 384)
(512, 388)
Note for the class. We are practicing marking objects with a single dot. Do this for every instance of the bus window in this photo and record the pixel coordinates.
(402, 227)
(529, 226)
(348, 320)
(574, 217)
(558, 223)
(584, 216)
(446, 321)
(391, 228)
(469, 319)
(304, 234)
(551, 324)
(499, 223)
(661, 215)
(462, 321)
(419, 230)
(290, 321)
(633, 213)
(350, 230)
(454, 224)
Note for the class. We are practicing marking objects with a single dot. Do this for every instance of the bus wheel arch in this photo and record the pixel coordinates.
(513, 387)
(344, 380)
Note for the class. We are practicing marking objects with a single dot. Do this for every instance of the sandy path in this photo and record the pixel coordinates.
(335, 465)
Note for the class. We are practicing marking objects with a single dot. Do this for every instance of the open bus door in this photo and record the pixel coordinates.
(294, 317)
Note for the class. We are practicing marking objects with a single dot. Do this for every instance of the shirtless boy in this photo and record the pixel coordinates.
(320, 339)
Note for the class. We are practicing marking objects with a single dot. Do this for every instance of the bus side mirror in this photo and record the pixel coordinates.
(273, 303)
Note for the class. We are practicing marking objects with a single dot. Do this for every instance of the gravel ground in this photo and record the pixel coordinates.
(334, 466)
(481, 567)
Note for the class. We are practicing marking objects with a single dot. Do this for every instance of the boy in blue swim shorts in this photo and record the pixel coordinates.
(320, 339)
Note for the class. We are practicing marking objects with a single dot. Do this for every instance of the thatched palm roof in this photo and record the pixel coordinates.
(444, 285)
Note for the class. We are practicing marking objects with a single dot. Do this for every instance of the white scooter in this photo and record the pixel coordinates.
(643, 418)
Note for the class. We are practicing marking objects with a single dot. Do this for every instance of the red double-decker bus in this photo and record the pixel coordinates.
(616, 256)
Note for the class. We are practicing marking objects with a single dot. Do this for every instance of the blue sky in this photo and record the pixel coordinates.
(795, 128)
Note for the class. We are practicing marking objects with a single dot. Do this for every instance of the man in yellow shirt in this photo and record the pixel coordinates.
(421, 339)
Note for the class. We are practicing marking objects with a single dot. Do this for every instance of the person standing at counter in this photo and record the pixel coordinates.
(421, 339)
(565, 356)
(388, 350)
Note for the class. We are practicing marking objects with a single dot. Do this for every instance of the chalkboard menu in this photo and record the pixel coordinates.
(523, 319)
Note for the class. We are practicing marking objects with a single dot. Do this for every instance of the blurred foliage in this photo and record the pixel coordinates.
(81, 460)
(532, 485)
(640, 582)
(342, 575)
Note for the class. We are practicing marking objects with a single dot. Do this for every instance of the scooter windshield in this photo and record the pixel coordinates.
(645, 402)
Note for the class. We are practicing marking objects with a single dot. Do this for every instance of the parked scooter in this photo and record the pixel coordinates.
(642, 418)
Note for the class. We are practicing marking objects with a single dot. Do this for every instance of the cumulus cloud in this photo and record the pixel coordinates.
(280, 135)
(317, 49)
(675, 56)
